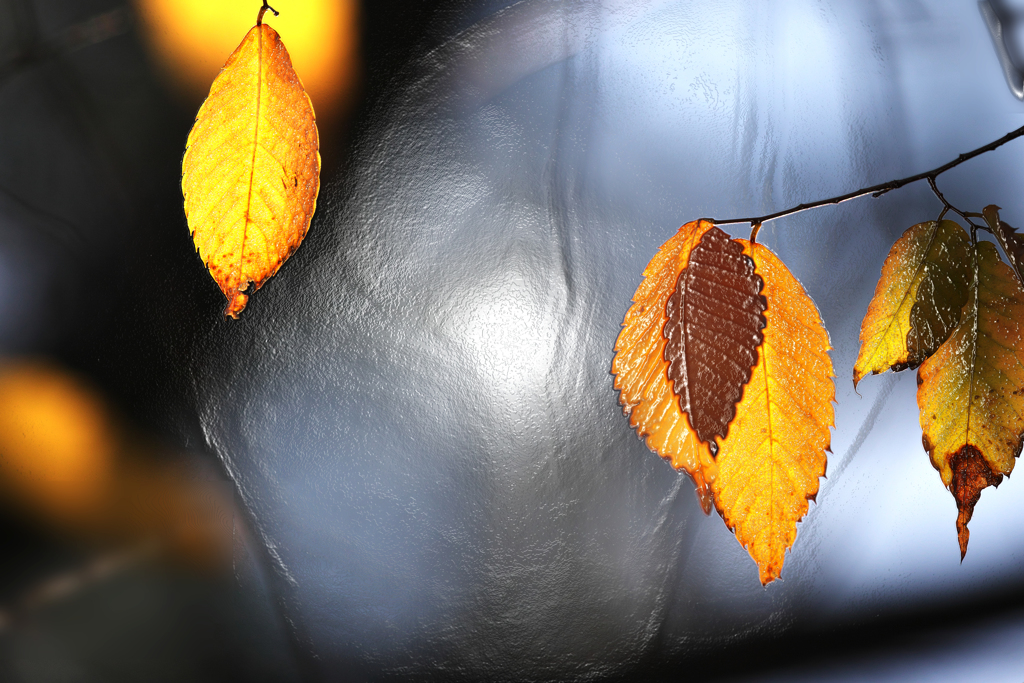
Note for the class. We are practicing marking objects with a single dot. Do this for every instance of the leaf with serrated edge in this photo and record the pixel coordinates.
(640, 367)
(1009, 239)
(917, 300)
(715, 318)
(251, 170)
(971, 392)
(769, 464)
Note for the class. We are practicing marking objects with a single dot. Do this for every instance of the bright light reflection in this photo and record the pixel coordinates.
(511, 337)
(193, 38)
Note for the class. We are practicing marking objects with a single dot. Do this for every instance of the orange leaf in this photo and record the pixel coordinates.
(917, 300)
(251, 170)
(641, 371)
(769, 464)
(971, 392)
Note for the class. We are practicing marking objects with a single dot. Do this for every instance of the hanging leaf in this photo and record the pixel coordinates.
(251, 170)
(641, 371)
(713, 327)
(769, 464)
(971, 392)
(918, 299)
(1009, 239)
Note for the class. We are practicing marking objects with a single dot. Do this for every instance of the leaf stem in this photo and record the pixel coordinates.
(882, 188)
(754, 229)
(263, 10)
(946, 206)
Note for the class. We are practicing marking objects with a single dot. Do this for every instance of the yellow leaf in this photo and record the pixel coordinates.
(641, 371)
(971, 392)
(917, 300)
(770, 462)
(251, 170)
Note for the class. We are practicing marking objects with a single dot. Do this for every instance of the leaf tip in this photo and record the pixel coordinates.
(971, 474)
(705, 498)
(768, 572)
(235, 305)
(963, 534)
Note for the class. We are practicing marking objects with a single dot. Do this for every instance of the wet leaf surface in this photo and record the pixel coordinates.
(971, 392)
(715, 317)
(769, 465)
(917, 300)
(1009, 239)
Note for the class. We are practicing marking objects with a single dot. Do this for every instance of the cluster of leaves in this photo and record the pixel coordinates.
(722, 366)
(722, 363)
(947, 304)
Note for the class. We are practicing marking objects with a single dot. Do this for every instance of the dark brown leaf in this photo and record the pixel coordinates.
(715, 317)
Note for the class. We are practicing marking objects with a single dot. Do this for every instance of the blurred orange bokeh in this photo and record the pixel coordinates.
(57, 445)
(193, 38)
(68, 464)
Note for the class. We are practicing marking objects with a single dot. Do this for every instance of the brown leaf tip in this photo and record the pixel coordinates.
(971, 474)
(235, 305)
(713, 330)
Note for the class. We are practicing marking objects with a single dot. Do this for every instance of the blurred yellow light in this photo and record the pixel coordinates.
(56, 442)
(193, 38)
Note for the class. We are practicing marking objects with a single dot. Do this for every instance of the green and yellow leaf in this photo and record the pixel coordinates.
(971, 391)
(918, 299)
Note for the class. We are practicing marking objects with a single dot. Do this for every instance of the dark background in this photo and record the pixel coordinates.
(432, 476)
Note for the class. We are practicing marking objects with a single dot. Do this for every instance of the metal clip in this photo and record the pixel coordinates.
(998, 22)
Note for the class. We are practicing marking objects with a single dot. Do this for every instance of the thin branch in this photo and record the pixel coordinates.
(946, 206)
(92, 31)
(65, 585)
(878, 190)
(263, 10)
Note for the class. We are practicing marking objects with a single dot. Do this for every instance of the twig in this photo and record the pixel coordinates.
(879, 190)
(65, 585)
(92, 31)
(263, 10)
(946, 206)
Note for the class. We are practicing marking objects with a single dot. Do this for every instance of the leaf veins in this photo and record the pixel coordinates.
(971, 392)
(770, 463)
(917, 300)
(713, 329)
(251, 170)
